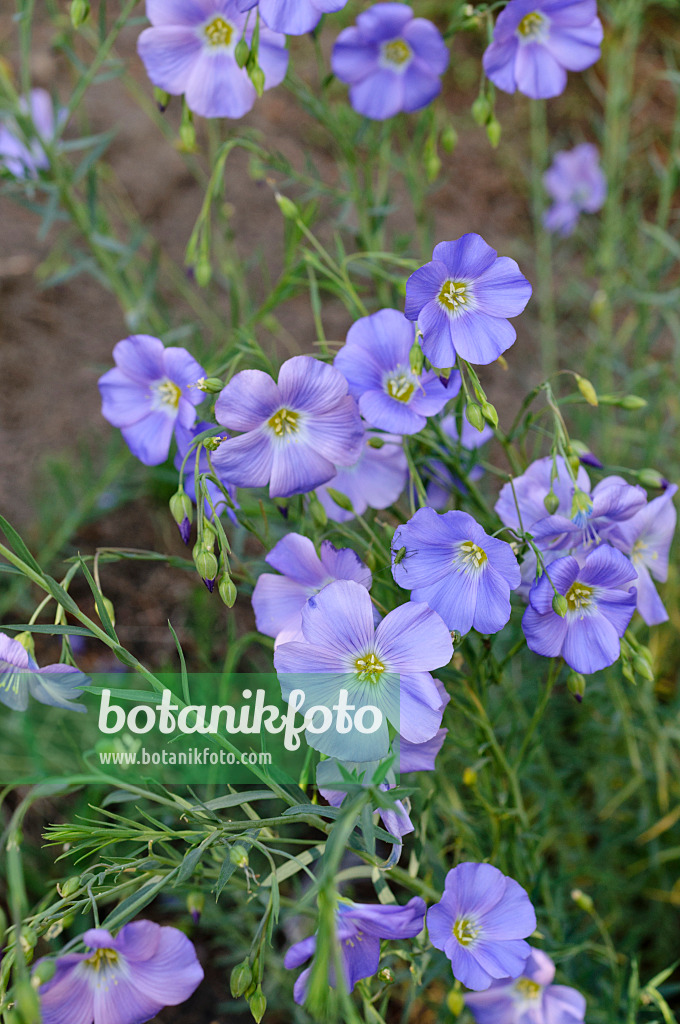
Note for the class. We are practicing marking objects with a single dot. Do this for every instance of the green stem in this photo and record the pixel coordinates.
(544, 273)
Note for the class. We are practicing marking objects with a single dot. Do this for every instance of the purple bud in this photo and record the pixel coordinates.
(210, 584)
(665, 484)
(195, 916)
(283, 509)
(591, 460)
(184, 530)
(444, 380)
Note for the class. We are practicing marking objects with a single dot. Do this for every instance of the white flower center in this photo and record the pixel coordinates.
(218, 32)
(400, 385)
(165, 395)
(533, 27)
(579, 597)
(455, 297)
(284, 423)
(465, 930)
(470, 557)
(369, 667)
(396, 54)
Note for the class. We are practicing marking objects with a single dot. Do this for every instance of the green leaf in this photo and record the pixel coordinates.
(18, 546)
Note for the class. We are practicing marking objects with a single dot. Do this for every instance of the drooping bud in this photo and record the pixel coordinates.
(238, 855)
(187, 131)
(651, 478)
(162, 98)
(489, 413)
(227, 589)
(340, 499)
(182, 511)
(582, 900)
(211, 385)
(643, 667)
(449, 138)
(258, 1004)
(573, 460)
(241, 979)
(481, 110)
(493, 131)
(44, 971)
(241, 52)
(317, 512)
(208, 536)
(455, 1002)
(67, 888)
(587, 390)
(195, 905)
(110, 610)
(206, 566)
(286, 206)
(474, 416)
(257, 78)
(203, 272)
(551, 502)
(560, 605)
(376, 442)
(630, 402)
(80, 12)
(576, 684)
(416, 358)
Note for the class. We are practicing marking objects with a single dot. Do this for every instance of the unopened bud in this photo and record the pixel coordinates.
(206, 566)
(493, 131)
(27, 1003)
(26, 641)
(28, 939)
(211, 385)
(238, 855)
(573, 460)
(162, 98)
(481, 110)
(187, 132)
(203, 272)
(340, 499)
(317, 512)
(469, 777)
(208, 536)
(44, 971)
(241, 52)
(110, 611)
(385, 975)
(651, 478)
(241, 979)
(227, 590)
(449, 138)
(67, 888)
(455, 1002)
(257, 78)
(195, 905)
(643, 667)
(376, 442)
(258, 1004)
(416, 358)
(559, 605)
(587, 390)
(551, 502)
(489, 413)
(582, 900)
(576, 684)
(211, 444)
(182, 511)
(286, 206)
(433, 165)
(80, 12)
(632, 402)
(474, 415)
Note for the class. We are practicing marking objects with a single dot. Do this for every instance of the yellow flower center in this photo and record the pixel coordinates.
(401, 387)
(453, 296)
(369, 668)
(396, 52)
(167, 394)
(527, 988)
(638, 553)
(284, 422)
(531, 25)
(465, 931)
(102, 958)
(219, 32)
(579, 596)
(470, 555)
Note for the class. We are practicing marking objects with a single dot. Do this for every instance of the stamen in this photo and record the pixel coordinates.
(218, 32)
(401, 386)
(102, 958)
(284, 422)
(531, 26)
(369, 668)
(465, 930)
(527, 988)
(470, 556)
(396, 52)
(579, 596)
(166, 395)
(453, 296)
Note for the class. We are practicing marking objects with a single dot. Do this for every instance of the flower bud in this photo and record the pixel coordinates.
(208, 536)
(651, 478)
(80, 12)
(576, 684)
(375, 442)
(241, 979)
(631, 402)
(28, 939)
(643, 667)
(27, 1003)
(481, 110)
(67, 888)
(26, 641)
(433, 165)
(286, 206)
(44, 971)
(110, 611)
(455, 1002)
(257, 78)
(182, 511)
(187, 132)
(385, 975)
(238, 855)
(340, 499)
(551, 502)
(206, 566)
(449, 138)
(493, 131)
(573, 460)
(416, 358)
(559, 605)
(489, 413)
(317, 512)
(258, 1004)
(227, 590)
(474, 415)
(469, 777)
(211, 385)
(587, 390)
(195, 905)
(241, 52)
(162, 98)
(582, 900)
(203, 272)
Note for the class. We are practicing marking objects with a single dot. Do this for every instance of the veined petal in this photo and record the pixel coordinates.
(218, 87)
(454, 597)
(307, 383)
(438, 341)
(467, 257)
(387, 413)
(140, 357)
(545, 634)
(353, 58)
(245, 461)
(170, 53)
(537, 73)
(591, 643)
(413, 638)
(380, 95)
(492, 610)
(277, 602)
(502, 290)
(338, 434)
(423, 286)
(149, 438)
(297, 467)
(67, 998)
(296, 557)
(481, 338)
(340, 618)
(249, 398)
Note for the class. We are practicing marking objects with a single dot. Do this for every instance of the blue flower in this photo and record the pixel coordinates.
(149, 392)
(295, 432)
(359, 929)
(375, 361)
(646, 539)
(294, 17)
(480, 924)
(278, 600)
(388, 668)
(599, 608)
(25, 156)
(528, 492)
(125, 980)
(185, 436)
(577, 184)
(529, 999)
(462, 299)
(375, 480)
(56, 685)
(535, 43)
(190, 49)
(592, 515)
(457, 569)
(391, 61)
